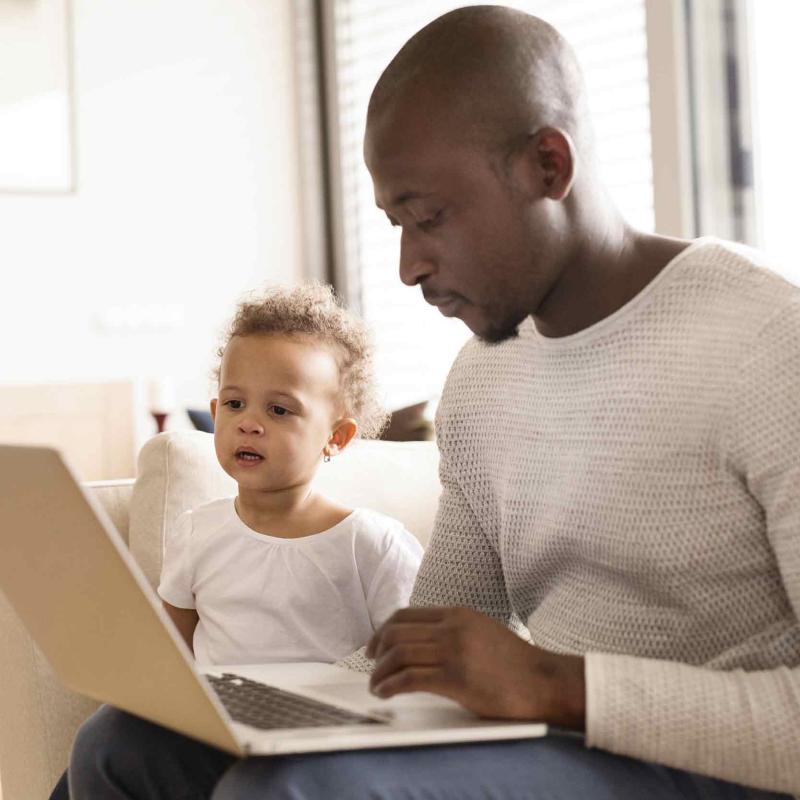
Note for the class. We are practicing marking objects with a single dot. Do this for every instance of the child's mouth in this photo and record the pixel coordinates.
(248, 457)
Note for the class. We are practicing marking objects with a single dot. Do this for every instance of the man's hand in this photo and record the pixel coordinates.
(479, 663)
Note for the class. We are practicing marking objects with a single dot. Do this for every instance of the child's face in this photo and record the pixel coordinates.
(279, 400)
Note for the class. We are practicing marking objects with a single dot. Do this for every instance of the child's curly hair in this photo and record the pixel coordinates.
(313, 310)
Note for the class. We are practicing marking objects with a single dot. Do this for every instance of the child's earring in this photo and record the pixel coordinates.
(326, 456)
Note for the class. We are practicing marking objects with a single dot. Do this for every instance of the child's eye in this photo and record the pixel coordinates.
(236, 405)
(279, 411)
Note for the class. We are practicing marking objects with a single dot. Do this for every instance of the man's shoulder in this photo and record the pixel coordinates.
(480, 367)
(730, 296)
(738, 276)
(482, 387)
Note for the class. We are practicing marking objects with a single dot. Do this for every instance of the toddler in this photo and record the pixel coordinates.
(280, 572)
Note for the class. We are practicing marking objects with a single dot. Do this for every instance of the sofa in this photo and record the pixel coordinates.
(176, 470)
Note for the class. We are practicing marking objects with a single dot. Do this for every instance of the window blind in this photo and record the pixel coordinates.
(415, 345)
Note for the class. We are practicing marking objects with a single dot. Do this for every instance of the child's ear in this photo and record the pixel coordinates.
(343, 433)
(213, 407)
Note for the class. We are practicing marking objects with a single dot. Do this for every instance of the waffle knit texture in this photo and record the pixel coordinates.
(631, 493)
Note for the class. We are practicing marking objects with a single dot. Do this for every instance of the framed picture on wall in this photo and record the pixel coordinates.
(37, 119)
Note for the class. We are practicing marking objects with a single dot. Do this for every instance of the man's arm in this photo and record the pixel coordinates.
(740, 726)
(461, 566)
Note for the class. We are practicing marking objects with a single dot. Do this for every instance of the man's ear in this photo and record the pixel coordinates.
(344, 431)
(556, 158)
(547, 164)
(213, 408)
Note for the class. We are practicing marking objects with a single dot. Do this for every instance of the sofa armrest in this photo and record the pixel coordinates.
(115, 498)
(39, 716)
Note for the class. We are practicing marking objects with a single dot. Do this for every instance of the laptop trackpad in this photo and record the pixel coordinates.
(356, 696)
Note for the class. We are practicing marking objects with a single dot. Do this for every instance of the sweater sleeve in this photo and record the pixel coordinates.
(176, 571)
(738, 726)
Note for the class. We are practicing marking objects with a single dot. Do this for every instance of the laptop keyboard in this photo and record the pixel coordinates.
(269, 708)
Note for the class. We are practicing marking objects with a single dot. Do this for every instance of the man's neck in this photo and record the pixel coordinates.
(608, 268)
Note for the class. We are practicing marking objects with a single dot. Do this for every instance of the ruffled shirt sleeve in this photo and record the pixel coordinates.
(177, 571)
(393, 579)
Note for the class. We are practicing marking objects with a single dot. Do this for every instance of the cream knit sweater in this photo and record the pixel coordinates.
(632, 493)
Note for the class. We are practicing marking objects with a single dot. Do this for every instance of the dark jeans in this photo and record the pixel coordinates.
(117, 756)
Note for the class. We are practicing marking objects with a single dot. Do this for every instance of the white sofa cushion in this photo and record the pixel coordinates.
(178, 470)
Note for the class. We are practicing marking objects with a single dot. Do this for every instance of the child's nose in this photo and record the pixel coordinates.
(251, 425)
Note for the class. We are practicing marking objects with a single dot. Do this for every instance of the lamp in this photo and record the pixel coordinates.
(161, 401)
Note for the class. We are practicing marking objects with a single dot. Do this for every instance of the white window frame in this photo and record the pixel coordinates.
(670, 118)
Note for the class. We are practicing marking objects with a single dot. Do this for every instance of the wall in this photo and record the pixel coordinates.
(187, 195)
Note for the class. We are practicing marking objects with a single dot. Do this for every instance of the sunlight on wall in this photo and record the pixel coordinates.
(187, 196)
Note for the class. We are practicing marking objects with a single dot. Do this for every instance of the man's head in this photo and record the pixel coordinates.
(479, 145)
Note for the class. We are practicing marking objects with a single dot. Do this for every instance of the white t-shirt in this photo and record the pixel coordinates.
(266, 599)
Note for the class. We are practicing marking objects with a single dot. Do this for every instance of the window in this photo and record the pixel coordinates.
(415, 345)
(745, 126)
(719, 66)
(776, 130)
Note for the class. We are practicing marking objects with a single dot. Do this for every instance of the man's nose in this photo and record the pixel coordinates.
(415, 263)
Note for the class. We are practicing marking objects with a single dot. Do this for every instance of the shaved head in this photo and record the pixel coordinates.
(480, 150)
(493, 75)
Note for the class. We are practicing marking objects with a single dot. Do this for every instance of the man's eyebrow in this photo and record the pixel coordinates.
(405, 197)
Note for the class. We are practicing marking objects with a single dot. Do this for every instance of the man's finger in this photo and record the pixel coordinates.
(405, 655)
(403, 633)
(419, 614)
(397, 629)
(411, 679)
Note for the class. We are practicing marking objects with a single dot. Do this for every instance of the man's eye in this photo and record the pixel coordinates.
(426, 224)
(279, 411)
(236, 405)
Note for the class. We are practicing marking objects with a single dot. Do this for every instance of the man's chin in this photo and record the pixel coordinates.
(498, 335)
(492, 332)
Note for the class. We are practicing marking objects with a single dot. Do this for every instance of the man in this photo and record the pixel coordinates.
(620, 449)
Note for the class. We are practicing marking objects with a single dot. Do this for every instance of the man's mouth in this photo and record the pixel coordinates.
(447, 304)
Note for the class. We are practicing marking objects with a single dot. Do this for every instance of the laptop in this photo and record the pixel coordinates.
(84, 600)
